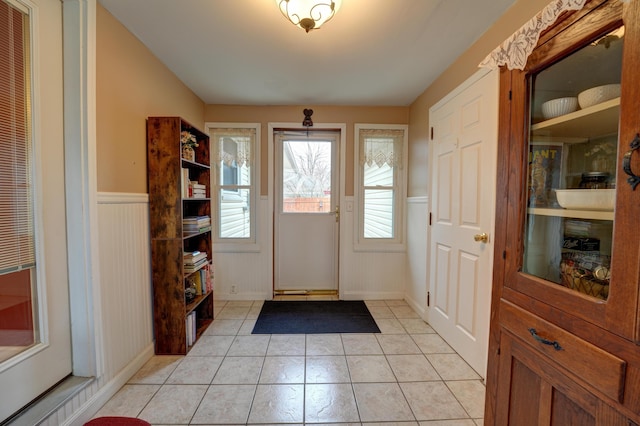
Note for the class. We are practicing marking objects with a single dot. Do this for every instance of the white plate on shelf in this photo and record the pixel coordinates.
(586, 199)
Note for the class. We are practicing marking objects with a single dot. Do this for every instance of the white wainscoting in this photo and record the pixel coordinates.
(125, 277)
(125, 324)
(245, 271)
(368, 275)
(417, 225)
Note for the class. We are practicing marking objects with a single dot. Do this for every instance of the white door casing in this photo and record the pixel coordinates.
(306, 243)
(463, 178)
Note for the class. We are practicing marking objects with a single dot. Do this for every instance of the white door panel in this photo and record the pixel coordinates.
(442, 266)
(305, 252)
(463, 197)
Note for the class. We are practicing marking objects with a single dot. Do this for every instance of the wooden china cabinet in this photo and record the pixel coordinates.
(564, 344)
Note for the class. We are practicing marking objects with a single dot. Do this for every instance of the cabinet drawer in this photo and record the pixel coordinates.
(595, 367)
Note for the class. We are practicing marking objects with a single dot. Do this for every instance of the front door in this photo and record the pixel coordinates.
(306, 212)
(462, 198)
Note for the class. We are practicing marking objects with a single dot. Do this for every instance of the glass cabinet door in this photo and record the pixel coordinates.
(572, 151)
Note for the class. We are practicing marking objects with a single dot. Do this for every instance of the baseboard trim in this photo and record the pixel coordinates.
(84, 413)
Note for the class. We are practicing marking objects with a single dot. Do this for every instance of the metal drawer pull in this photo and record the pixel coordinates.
(632, 180)
(544, 341)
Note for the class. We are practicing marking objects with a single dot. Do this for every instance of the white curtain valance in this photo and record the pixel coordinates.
(515, 50)
(381, 146)
(234, 145)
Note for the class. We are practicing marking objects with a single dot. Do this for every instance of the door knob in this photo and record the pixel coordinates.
(481, 237)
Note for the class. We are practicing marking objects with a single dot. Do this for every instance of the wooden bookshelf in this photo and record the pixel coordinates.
(169, 204)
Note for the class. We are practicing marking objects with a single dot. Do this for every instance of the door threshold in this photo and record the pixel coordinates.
(305, 293)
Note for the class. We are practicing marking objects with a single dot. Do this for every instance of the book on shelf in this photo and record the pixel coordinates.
(195, 224)
(193, 188)
(197, 220)
(190, 328)
(194, 327)
(193, 257)
(184, 182)
(190, 269)
(197, 281)
(196, 230)
(208, 270)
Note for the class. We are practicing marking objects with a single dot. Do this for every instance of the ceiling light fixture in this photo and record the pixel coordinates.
(308, 14)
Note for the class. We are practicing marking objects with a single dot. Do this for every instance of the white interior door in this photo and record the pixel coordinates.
(463, 163)
(306, 219)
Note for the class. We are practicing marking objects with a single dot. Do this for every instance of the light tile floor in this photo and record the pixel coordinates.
(405, 375)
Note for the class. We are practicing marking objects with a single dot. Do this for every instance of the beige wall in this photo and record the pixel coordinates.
(464, 67)
(293, 114)
(132, 84)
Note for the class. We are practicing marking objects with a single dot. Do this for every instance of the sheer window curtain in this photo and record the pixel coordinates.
(244, 140)
(381, 146)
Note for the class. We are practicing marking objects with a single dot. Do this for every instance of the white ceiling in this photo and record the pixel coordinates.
(244, 52)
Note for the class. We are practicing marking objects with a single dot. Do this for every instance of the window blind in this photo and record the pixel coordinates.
(17, 250)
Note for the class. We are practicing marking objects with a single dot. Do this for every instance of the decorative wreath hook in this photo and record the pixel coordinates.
(633, 179)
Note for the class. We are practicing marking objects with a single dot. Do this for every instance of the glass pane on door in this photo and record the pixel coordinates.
(573, 143)
(306, 176)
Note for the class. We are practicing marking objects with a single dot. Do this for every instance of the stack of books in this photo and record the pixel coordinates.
(202, 280)
(194, 261)
(196, 224)
(198, 190)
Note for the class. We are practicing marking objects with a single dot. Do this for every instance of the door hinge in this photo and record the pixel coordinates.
(428, 299)
(431, 132)
(504, 254)
(510, 94)
(498, 351)
(429, 218)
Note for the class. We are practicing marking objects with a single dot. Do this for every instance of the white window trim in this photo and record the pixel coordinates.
(397, 244)
(236, 245)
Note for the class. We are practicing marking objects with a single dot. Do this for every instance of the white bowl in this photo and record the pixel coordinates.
(598, 94)
(557, 107)
(586, 199)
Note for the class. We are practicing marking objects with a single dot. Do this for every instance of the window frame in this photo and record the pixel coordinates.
(398, 242)
(222, 192)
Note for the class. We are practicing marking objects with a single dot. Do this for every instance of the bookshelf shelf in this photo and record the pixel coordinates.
(180, 227)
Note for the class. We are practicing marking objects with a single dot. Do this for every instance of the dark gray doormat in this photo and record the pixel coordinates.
(314, 317)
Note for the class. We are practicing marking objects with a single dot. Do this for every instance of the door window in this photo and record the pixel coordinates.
(306, 176)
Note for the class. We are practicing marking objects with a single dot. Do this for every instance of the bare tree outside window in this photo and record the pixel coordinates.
(306, 176)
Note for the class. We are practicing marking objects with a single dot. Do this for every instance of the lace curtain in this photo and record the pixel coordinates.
(515, 50)
(233, 145)
(381, 146)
